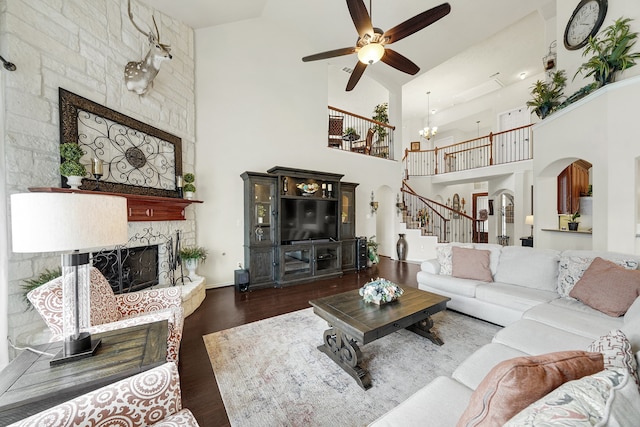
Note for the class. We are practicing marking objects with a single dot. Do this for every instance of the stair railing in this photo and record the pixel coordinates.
(442, 221)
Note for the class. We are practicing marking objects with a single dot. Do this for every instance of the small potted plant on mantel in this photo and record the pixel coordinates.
(573, 224)
(189, 188)
(71, 166)
(192, 255)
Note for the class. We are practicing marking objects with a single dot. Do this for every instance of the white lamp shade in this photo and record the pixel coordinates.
(528, 220)
(370, 53)
(56, 222)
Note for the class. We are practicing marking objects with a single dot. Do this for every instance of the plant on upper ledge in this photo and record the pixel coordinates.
(611, 49)
(547, 94)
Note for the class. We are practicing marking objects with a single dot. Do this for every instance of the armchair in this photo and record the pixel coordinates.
(150, 398)
(364, 146)
(110, 311)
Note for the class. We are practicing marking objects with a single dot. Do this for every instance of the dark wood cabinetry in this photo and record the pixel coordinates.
(301, 237)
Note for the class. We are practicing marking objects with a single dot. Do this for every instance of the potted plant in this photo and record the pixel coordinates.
(381, 114)
(262, 213)
(611, 52)
(192, 255)
(350, 134)
(372, 251)
(71, 166)
(573, 224)
(189, 188)
(547, 94)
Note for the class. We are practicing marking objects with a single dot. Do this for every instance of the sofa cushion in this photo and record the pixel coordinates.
(474, 368)
(607, 287)
(617, 352)
(442, 400)
(495, 250)
(573, 264)
(524, 266)
(443, 255)
(471, 264)
(450, 284)
(517, 297)
(633, 313)
(573, 317)
(532, 337)
(514, 384)
(607, 398)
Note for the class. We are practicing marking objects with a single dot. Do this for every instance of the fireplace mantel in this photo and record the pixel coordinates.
(139, 207)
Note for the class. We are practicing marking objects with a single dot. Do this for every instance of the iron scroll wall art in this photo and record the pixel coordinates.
(138, 158)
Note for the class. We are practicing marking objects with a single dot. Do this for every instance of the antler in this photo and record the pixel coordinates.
(134, 22)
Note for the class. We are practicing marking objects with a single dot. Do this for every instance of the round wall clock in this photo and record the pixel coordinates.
(585, 22)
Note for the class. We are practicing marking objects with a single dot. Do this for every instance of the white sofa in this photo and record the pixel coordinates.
(528, 296)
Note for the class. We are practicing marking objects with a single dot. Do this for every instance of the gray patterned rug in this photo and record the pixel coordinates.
(270, 372)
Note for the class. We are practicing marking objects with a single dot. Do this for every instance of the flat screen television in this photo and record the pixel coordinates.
(308, 219)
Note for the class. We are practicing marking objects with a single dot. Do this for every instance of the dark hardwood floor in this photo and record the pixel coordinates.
(224, 308)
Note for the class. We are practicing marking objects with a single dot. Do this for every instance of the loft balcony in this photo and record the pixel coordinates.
(358, 134)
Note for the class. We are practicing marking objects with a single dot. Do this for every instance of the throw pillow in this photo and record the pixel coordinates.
(572, 268)
(607, 398)
(607, 287)
(471, 264)
(514, 384)
(443, 254)
(617, 352)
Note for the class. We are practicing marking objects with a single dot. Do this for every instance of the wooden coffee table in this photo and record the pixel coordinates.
(353, 321)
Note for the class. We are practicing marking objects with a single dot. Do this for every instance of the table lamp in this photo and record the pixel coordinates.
(529, 221)
(63, 222)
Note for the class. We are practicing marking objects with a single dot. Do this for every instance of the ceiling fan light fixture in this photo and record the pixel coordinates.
(370, 53)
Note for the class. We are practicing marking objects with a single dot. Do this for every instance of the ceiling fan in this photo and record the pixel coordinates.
(372, 41)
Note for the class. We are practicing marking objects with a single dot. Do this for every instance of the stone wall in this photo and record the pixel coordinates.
(82, 46)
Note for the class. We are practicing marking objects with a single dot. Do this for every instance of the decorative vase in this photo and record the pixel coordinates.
(402, 247)
(192, 265)
(74, 182)
(573, 226)
(188, 195)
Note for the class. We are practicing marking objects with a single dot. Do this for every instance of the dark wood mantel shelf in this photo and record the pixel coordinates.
(139, 207)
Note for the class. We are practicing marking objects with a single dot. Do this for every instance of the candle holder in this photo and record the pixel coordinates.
(97, 171)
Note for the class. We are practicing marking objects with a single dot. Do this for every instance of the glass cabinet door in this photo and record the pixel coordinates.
(348, 211)
(262, 212)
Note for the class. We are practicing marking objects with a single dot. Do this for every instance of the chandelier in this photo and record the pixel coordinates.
(428, 131)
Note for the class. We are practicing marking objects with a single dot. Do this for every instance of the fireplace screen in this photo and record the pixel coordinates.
(129, 269)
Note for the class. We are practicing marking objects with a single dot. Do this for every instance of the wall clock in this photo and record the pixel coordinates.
(586, 20)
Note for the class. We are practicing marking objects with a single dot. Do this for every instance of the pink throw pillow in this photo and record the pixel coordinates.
(471, 264)
(607, 287)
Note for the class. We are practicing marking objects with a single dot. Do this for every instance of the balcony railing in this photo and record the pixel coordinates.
(512, 145)
(351, 132)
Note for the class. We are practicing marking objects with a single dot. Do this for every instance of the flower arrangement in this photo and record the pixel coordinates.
(423, 217)
(308, 189)
(380, 291)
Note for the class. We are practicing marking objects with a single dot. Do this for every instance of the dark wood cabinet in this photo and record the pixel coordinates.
(300, 238)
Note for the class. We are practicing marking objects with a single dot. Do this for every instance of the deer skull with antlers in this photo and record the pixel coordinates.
(138, 76)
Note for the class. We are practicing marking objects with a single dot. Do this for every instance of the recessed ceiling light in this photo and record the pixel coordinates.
(523, 75)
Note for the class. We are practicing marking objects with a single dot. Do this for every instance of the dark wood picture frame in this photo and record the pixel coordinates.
(71, 105)
(415, 146)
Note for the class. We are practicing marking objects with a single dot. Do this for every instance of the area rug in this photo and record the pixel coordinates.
(270, 372)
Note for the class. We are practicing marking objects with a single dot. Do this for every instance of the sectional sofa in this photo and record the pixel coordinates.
(545, 299)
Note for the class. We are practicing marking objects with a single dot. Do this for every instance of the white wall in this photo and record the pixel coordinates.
(83, 47)
(255, 110)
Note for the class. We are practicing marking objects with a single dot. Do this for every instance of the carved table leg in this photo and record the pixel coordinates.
(423, 328)
(345, 352)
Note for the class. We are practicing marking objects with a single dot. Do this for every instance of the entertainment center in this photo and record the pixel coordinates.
(299, 225)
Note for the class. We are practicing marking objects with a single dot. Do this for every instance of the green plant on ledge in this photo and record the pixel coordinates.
(547, 95)
(71, 166)
(575, 216)
(611, 52)
(381, 114)
(189, 178)
(193, 252)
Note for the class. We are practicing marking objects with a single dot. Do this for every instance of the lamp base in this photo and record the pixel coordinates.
(75, 349)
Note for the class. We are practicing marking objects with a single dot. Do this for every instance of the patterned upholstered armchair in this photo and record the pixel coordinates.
(110, 311)
(150, 398)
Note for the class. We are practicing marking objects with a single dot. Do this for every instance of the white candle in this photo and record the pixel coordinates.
(324, 186)
(179, 181)
(330, 187)
(96, 166)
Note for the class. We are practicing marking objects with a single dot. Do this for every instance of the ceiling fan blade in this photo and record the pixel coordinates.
(360, 17)
(417, 23)
(329, 54)
(355, 75)
(399, 62)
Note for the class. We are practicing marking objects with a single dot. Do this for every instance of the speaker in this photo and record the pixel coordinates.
(361, 253)
(241, 280)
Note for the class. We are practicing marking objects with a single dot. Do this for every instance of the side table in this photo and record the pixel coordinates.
(29, 385)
